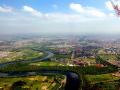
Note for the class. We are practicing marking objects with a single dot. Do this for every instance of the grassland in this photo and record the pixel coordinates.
(33, 82)
(101, 78)
(103, 81)
(47, 63)
(25, 54)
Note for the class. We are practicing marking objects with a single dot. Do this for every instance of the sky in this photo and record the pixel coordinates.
(58, 16)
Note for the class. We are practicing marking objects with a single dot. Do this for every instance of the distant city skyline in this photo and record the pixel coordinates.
(58, 16)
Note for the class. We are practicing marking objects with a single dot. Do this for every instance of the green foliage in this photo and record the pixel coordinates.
(118, 57)
(22, 54)
(31, 82)
(59, 56)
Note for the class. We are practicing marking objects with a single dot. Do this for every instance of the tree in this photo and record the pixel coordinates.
(18, 85)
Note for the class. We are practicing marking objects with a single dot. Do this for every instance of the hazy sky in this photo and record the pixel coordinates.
(58, 16)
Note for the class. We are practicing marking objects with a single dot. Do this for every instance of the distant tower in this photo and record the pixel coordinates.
(73, 55)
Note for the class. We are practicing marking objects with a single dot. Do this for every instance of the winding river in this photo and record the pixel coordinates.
(73, 81)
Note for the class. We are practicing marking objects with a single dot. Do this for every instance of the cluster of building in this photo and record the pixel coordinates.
(112, 50)
(4, 54)
(80, 63)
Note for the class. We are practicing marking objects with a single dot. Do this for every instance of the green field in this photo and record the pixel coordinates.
(103, 81)
(47, 63)
(33, 82)
(24, 54)
(101, 78)
(109, 56)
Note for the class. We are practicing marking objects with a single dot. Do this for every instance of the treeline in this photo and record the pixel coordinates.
(101, 60)
(93, 70)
